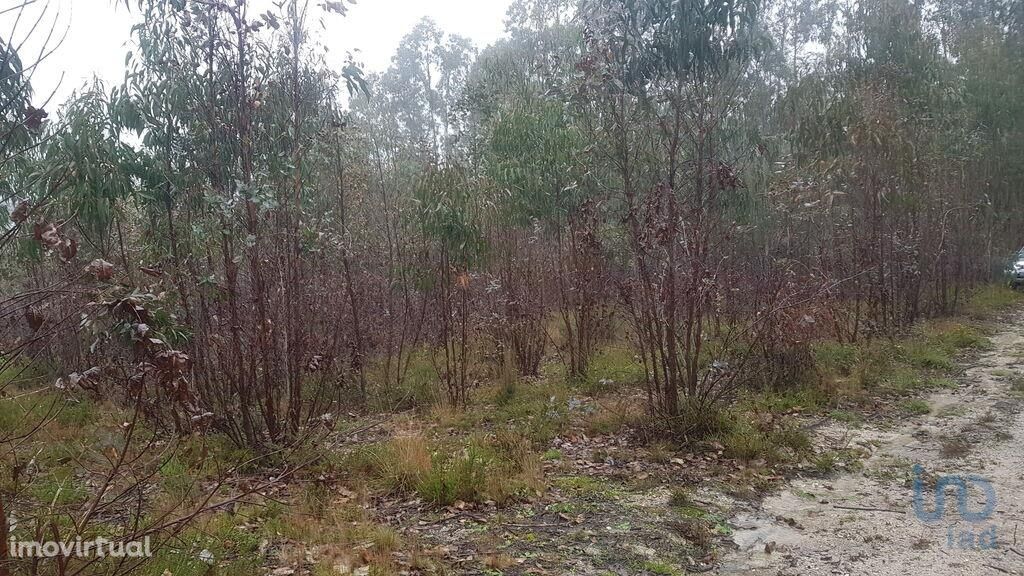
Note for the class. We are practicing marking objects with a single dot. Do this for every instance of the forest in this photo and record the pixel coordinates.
(281, 318)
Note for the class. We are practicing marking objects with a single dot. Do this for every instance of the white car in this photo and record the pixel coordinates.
(1016, 270)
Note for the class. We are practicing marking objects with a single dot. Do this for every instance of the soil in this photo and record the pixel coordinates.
(865, 522)
(616, 506)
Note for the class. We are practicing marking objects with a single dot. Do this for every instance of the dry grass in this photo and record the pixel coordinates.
(954, 448)
(405, 463)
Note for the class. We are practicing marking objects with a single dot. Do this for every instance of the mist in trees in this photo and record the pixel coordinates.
(687, 176)
(240, 239)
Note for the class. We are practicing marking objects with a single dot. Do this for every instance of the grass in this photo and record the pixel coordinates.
(176, 479)
(836, 357)
(612, 418)
(612, 367)
(501, 468)
(987, 300)
(586, 487)
(831, 461)
(781, 443)
(496, 449)
(661, 568)
(915, 407)
(847, 417)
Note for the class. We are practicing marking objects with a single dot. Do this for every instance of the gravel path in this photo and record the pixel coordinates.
(865, 522)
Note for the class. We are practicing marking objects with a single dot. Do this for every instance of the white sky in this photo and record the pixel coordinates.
(99, 34)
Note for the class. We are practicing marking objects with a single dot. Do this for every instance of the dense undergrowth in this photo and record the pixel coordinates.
(496, 452)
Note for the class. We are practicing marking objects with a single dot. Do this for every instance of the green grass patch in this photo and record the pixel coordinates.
(783, 443)
(611, 368)
(847, 417)
(915, 407)
(990, 299)
(835, 357)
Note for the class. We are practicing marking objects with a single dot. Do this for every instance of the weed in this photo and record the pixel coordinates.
(991, 298)
(660, 452)
(176, 479)
(404, 463)
(610, 420)
(612, 367)
(802, 399)
(942, 383)
(987, 418)
(954, 448)
(584, 486)
(832, 460)
(847, 417)
(679, 498)
(552, 454)
(661, 568)
(458, 477)
(835, 358)
(951, 411)
(915, 407)
(315, 499)
(386, 540)
(744, 442)
(793, 437)
(923, 354)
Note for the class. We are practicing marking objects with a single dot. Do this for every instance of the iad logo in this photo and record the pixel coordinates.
(972, 537)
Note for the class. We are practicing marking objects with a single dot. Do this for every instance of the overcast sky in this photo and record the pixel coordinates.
(99, 34)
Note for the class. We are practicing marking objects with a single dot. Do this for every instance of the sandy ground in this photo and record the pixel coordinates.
(865, 522)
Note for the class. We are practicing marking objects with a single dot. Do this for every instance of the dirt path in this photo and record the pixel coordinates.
(865, 522)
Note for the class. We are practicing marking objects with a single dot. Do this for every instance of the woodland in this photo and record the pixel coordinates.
(285, 318)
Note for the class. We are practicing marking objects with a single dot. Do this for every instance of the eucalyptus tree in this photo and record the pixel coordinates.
(662, 77)
(229, 142)
(546, 213)
(425, 81)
